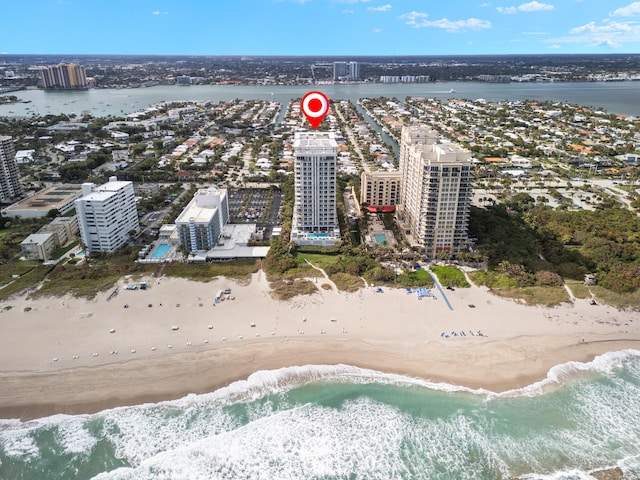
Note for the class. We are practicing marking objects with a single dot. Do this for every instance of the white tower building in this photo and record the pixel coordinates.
(315, 220)
(107, 215)
(200, 223)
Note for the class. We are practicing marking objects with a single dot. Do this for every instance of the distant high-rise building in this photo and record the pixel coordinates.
(10, 187)
(107, 215)
(315, 219)
(200, 223)
(349, 71)
(183, 80)
(435, 191)
(64, 76)
(354, 71)
(340, 70)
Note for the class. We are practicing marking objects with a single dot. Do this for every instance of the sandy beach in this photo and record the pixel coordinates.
(70, 355)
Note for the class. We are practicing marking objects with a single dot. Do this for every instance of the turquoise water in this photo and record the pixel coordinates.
(160, 251)
(317, 235)
(380, 238)
(341, 422)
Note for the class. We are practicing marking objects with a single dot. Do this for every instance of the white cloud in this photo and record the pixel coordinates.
(612, 34)
(158, 12)
(535, 7)
(348, 11)
(526, 7)
(453, 26)
(555, 46)
(631, 10)
(535, 33)
(484, 5)
(377, 30)
(412, 17)
(381, 8)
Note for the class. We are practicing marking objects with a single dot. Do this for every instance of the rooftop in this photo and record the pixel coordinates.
(52, 197)
(317, 142)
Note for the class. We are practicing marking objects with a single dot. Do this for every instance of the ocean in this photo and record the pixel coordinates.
(622, 98)
(342, 422)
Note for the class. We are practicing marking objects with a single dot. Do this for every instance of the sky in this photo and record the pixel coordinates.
(319, 27)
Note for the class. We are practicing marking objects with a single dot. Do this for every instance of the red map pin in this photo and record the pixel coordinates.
(315, 106)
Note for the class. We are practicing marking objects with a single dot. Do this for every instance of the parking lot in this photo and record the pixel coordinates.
(255, 205)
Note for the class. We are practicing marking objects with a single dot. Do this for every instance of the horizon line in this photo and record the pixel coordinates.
(548, 54)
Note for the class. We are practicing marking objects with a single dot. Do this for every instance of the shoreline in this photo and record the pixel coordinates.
(390, 332)
(74, 391)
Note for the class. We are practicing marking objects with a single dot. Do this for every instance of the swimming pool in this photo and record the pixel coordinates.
(317, 235)
(380, 238)
(160, 251)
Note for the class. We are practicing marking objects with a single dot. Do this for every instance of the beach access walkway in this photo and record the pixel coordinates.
(440, 289)
(324, 274)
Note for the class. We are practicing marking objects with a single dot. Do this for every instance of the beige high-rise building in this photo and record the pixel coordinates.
(10, 187)
(380, 188)
(435, 192)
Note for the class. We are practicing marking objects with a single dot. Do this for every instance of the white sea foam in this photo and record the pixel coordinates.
(363, 439)
(563, 475)
(141, 432)
(73, 436)
(18, 443)
(605, 364)
(17, 437)
(266, 382)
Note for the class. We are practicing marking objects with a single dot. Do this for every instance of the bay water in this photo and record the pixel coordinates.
(621, 98)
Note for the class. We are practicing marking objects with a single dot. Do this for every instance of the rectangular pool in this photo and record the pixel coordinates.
(160, 251)
(380, 238)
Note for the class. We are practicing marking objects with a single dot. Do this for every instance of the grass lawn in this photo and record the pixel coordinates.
(286, 289)
(30, 276)
(579, 289)
(237, 269)
(416, 278)
(547, 296)
(618, 300)
(347, 282)
(87, 280)
(450, 276)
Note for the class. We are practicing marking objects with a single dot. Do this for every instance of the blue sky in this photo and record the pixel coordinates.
(319, 27)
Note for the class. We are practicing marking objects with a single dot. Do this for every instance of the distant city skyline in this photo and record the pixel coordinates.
(320, 27)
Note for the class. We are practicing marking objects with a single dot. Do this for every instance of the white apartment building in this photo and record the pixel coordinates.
(315, 220)
(107, 215)
(10, 187)
(200, 223)
(435, 192)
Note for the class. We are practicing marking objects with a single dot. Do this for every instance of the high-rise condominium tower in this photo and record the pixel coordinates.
(435, 192)
(10, 187)
(315, 220)
(107, 215)
(64, 76)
